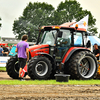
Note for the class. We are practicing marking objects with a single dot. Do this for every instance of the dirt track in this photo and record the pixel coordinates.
(48, 92)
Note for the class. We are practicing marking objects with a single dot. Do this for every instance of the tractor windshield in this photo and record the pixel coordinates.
(49, 37)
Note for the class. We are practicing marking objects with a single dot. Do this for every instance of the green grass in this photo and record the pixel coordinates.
(49, 82)
(2, 68)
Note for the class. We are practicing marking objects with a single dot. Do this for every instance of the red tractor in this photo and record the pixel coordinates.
(59, 49)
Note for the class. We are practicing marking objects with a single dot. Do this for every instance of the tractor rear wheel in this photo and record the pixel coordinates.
(82, 65)
(39, 67)
(12, 67)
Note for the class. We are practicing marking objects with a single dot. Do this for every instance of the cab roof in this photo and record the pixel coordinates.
(63, 26)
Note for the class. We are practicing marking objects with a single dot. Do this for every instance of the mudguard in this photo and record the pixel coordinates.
(47, 55)
(71, 51)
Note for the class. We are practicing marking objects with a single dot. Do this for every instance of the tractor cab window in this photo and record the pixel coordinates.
(49, 37)
(65, 40)
(78, 41)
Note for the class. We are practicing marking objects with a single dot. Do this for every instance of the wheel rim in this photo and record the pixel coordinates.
(87, 67)
(41, 68)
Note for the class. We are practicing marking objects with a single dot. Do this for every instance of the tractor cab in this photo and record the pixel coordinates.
(61, 39)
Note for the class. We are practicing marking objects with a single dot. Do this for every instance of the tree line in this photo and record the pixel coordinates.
(39, 14)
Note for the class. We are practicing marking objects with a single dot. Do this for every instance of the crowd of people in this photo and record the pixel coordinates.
(5, 50)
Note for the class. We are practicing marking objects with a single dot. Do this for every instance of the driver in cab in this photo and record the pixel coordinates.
(64, 41)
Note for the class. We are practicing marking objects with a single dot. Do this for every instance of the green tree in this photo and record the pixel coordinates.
(34, 16)
(39, 14)
(70, 11)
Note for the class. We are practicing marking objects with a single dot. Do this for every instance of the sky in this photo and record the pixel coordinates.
(13, 9)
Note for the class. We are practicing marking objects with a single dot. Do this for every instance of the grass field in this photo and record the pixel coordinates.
(49, 82)
(2, 68)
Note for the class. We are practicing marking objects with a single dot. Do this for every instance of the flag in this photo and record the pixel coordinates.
(83, 23)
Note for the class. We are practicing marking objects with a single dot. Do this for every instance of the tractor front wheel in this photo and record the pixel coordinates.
(39, 67)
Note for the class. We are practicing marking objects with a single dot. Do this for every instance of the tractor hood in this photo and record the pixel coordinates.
(34, 50)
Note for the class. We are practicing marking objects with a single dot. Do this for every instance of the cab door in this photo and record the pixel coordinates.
(63, 44)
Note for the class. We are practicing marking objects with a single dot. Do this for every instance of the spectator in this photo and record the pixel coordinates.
(96, 51)
(5, 50)
(23, 54)
(10, 47)
(1, 50)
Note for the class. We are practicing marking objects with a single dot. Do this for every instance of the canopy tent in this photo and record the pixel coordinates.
(94, 40)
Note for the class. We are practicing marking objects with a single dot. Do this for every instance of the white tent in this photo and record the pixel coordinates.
(94, 40)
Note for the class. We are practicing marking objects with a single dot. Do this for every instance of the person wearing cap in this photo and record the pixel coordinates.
(96, 51)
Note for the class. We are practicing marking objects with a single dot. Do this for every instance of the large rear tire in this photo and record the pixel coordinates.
(12, 67)
(82, 65)
(39, 67)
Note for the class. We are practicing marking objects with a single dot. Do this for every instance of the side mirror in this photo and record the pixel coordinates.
(88, 44)
(86, 34)
(60, 33)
